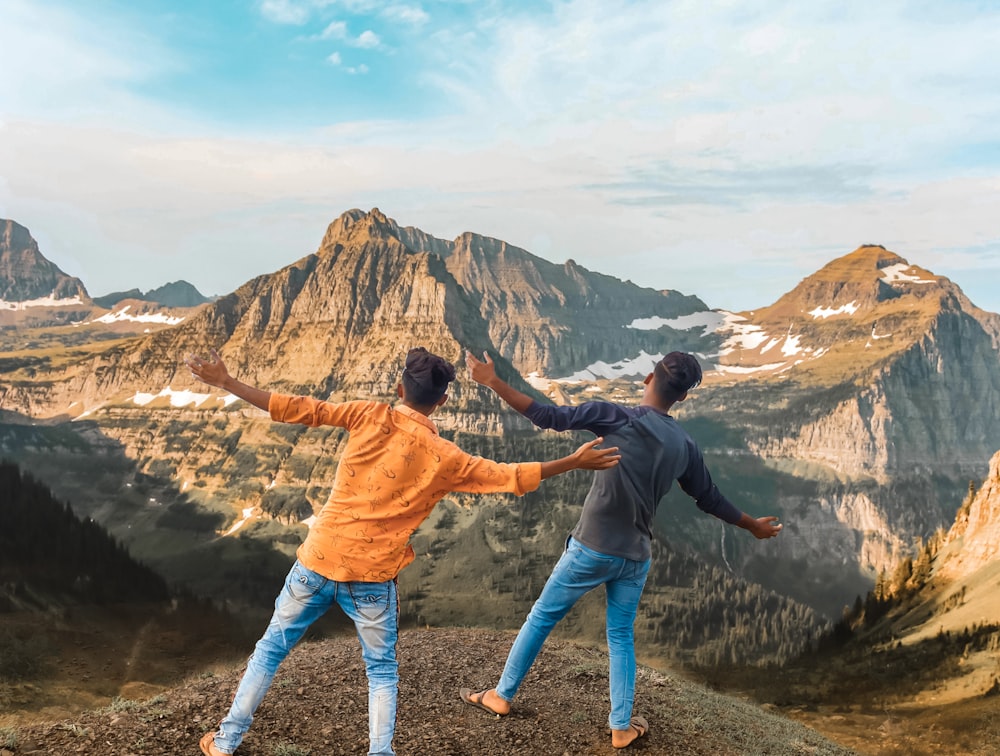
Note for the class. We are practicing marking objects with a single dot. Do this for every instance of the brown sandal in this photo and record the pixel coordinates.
(640, 725)
(467, 696)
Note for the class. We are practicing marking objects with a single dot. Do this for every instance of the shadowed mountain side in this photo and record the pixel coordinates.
(318, 705)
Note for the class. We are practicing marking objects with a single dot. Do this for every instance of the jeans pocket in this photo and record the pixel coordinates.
(303, 583)
(371, 600)
(585, 564)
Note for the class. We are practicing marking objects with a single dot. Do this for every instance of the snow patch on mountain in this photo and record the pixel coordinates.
(49, 301)
(148, 317)
(825, 312)
(897, 273)
(709, 321)
(639, 365)
(181, 398)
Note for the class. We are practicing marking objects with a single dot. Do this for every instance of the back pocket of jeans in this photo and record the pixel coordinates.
(371, 599)
(303, 584)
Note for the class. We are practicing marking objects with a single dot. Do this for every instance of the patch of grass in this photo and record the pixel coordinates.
(22, 655)
(8, 737)
(290, 749)
(119, 704)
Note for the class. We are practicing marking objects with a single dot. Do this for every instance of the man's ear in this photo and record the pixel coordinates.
(442, 400)
(647, 379)
(682, 397)
(399, 390)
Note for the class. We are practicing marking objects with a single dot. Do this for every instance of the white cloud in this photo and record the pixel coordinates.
(334, 58)
(412, 15)
(334, 30)
(285, 11)
(367, 40)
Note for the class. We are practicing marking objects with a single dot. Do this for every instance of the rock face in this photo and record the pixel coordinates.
(905, 368)
(27, 278)
(974, 540)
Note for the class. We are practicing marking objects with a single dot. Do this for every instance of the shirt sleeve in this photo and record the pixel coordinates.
(697, 483)
(600, 418)
(478, 475)
(305, 410)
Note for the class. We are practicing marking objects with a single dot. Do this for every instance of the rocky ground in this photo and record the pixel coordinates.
(318, 707)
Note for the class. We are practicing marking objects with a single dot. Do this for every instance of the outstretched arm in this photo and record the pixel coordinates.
(213, 372)
(485, 374)
(761, 527)
(587, 457)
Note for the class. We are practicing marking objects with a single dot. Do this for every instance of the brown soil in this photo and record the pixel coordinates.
(318, 706)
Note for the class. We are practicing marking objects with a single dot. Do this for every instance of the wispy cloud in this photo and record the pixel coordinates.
(412, 15)
(285, 11)
(631, 138)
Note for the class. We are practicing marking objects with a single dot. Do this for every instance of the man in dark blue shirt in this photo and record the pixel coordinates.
(610, 544)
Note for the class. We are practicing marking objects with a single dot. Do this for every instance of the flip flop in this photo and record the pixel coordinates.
(466, 694)
(640, 725)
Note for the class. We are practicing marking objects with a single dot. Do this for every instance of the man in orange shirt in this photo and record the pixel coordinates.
(393, 471)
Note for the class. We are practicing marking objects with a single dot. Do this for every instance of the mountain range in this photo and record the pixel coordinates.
(35, 292)
(857, 407)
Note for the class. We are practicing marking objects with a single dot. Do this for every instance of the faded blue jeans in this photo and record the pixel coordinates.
(578, 571)
(304, 598)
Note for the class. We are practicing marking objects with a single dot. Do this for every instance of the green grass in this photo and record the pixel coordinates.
(8, 737)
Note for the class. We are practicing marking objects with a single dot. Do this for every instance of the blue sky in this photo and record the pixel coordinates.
(724, 149)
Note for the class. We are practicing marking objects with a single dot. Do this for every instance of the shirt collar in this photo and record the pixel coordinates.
(417, 416)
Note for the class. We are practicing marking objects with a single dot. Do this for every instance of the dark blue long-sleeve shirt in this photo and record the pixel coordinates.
(618, 512)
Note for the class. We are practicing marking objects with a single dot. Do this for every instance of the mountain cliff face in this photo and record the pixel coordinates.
(973, 542)
(27, 277)
(912, 367)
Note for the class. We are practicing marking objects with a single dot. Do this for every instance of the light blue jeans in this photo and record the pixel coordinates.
(305, 598)
(578, 571)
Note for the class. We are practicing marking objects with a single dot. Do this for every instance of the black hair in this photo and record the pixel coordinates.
(676, 374)
(426, 377)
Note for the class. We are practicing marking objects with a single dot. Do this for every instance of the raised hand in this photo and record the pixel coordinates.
(589, 457)
(479, 371)
(211, 371)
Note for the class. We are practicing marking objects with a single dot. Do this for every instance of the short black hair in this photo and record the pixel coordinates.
(676, 374)
(426, 377)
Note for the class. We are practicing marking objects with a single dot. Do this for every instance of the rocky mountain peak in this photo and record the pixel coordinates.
(27, 277)
(857, 283)
(357, 227)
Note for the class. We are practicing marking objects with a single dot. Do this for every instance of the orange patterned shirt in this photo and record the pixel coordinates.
(393, 471)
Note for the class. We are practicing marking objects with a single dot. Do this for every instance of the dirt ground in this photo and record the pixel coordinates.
(318, 706)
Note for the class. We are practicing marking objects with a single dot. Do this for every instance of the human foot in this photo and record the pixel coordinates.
(637, 727)
(488, 700)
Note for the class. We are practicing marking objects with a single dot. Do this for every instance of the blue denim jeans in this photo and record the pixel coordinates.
(304, 598)
(578, 571)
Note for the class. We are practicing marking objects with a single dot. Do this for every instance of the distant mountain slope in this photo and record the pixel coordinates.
(50, 556)
(917, 658)
(175, 294)
(28, 280)
(881, 368)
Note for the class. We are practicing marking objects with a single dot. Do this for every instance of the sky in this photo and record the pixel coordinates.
(723, 149)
